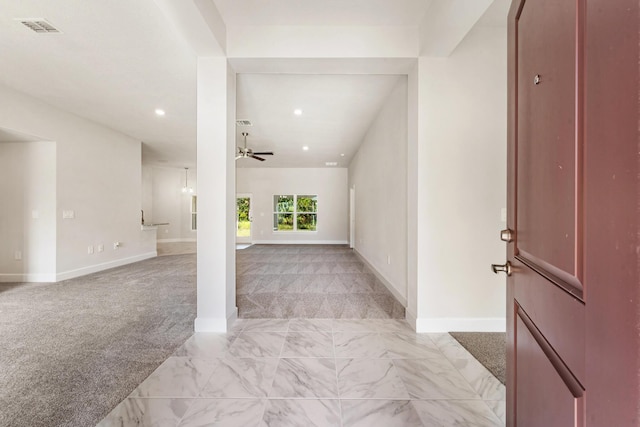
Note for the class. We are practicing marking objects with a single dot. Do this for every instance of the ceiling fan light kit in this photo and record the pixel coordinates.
(244, 152)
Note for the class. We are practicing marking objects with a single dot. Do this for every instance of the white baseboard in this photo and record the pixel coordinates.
(215, 324)
(300, 242)
(188, 240)
(461, 324)
(411, 319)
(104, 266)
(28, 278)
(402, 300)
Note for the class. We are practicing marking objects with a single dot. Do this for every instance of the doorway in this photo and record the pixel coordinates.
(244, 218)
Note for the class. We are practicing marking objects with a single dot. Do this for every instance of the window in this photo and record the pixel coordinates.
(194, 213)
(295, 212)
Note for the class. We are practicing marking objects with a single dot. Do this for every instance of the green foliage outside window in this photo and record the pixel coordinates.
(242, 210)
(295, 212)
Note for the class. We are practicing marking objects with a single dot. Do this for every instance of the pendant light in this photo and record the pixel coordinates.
(186, 188)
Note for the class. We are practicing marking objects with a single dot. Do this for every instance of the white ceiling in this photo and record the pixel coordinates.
(324, 12)
(7, 135)
(119, 60)
(336, 112)
(115, 63)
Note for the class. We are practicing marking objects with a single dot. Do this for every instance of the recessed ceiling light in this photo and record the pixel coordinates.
(159, 112)
(331, 163)
(305, 148)
(297, 112)
(342, 155)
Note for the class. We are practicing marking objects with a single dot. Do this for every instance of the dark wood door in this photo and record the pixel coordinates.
(546, 289)
(556, 247)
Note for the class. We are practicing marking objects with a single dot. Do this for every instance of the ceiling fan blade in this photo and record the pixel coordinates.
(264, 153)
(257, 158)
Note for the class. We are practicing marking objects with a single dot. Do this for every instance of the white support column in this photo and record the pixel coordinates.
(216, 307)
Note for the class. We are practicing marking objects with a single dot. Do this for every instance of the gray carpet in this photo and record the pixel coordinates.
(310, 281)
(488, 347)
(71, 351)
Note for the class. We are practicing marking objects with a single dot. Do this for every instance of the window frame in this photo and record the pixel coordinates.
(294, 213)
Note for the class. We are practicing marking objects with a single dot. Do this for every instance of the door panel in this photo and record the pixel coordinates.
(548, 212)
(558, 405)
(557, 314)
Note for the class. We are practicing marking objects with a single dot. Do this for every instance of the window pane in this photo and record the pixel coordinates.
(282, 222)
(194, 203)
(307, 203)
(283, 203)
(194, 221)
(307, 222)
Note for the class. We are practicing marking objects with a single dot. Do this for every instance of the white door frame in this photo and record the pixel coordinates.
(250, 237)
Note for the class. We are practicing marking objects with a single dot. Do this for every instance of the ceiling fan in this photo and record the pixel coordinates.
(248, 152)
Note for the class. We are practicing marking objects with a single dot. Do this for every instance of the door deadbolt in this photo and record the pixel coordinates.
(502, 268)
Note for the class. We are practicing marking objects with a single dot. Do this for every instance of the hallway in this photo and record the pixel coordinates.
(310, 281)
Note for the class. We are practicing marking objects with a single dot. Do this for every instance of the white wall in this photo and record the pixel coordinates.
(460, 178)
(379, 173)
(28, 211)
(147, 193)
(167, 202)
(330, 184)
(98, 177)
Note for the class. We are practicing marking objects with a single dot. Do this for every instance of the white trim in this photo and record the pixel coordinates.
(300, 242)
(402, 300)
(215, 324)
(410, 318)
(462, 324)
(187, 240)
(104, 266)
(28, 278)
(232, 319)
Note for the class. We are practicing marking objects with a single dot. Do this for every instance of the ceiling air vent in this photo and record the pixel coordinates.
(39, 25)
(243, 123)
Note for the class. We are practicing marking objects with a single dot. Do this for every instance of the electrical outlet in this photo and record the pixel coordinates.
(100, 247)
(17, 255)
(68, 214)
(389, 259)
(89, 249)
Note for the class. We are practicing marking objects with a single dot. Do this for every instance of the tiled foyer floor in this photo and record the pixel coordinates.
(316, 372)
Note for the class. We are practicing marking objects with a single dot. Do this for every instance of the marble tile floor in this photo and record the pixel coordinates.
(316, 372)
